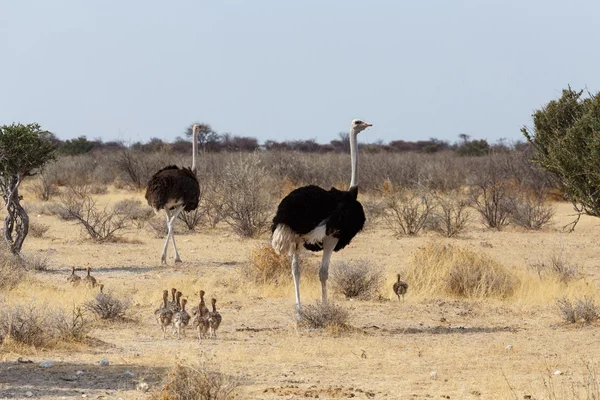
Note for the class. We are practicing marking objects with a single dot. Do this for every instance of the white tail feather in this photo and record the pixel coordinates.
(285, 240)
(316, 235)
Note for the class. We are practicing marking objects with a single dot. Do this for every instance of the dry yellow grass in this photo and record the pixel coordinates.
(391, 352)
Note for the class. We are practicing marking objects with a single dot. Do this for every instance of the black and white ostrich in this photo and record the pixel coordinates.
(320, 219)
(175, 189)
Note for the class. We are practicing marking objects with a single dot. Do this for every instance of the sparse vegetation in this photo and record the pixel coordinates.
(357, 279)
(107, 307)
(72, 325)
(445, 269)
(11, 270)
(191, 219)
(134, 210)
(490, 193)
(100, 225)
(450, 215)
(37, 230)
(44, 187)
(583, 309)
(323, 315)
(406, 211)
(196, 382)
(248, 208)
(530, 210)
(558, 267)
(39, 326)
(266, 266)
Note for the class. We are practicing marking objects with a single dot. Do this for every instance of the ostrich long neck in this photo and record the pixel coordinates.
(354, 158)
(194, 148)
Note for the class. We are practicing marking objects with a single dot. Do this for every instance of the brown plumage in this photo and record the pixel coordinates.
(173, 302)
(164, 315)
(176, 307)
(400, 288)
(200, 320)
(175, 189)
(201, 306)
(89, 280)
(214, 319)
(181, 319)
(74, 279)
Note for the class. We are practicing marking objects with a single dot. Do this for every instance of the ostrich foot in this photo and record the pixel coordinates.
(177, 259)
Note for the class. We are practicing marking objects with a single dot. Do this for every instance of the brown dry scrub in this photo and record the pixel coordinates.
(196, 382)
(440, 270)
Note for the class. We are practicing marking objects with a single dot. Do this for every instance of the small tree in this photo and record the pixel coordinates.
(566, 136)
(24, 149)
(208, 140)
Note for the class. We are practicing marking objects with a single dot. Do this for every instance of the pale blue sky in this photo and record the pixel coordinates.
(284, 69)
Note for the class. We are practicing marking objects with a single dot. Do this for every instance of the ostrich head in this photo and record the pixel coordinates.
(195, 128)
(358, 125)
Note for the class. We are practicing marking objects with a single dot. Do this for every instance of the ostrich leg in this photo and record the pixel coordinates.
(163, 258)
(178, 210)
(296, 275)
(329, 244)
(171, 217)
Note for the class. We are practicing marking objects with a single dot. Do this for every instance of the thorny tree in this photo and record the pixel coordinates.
(24, 149)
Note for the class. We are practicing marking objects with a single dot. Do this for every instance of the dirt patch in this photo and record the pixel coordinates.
(315, 392)
(71, 379)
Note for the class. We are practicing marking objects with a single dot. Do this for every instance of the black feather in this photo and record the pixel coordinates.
(172, 183)
(306, 207)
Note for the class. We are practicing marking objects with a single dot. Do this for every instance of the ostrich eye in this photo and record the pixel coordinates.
(358, 122)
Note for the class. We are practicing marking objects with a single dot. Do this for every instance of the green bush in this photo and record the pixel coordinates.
(566, 135)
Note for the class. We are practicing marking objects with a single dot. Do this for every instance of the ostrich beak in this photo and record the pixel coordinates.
(367, 124)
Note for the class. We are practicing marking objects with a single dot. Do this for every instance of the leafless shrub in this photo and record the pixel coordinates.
(185, 382)
(557, 266)
(191, 219)
(25, 324)
(108, 307)
(37, 230)
(406, 211)
(248, 208)
(71, 326)
(75, 170)
(583, 309)
(98, 189)
(374, 210)
(212, 203)
(159, 226)
(53, 209)
(567, 309)
(491, 191)
(12, 270)
(133, 210)
(100, 225)
(530, 210)
(139, 166)
(450, 216)
(44, 187)
(357, 279)
(322, 315)
(36, 325)
(587, 309)
(35, 262)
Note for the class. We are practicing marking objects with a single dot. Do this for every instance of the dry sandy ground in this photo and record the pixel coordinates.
(425, 348)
